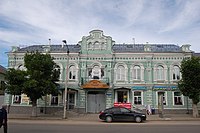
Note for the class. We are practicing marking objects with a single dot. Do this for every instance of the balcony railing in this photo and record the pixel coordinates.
(86, 79)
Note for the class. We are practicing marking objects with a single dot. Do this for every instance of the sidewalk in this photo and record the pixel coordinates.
(95, 117)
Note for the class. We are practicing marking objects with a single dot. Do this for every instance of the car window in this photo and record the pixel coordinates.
(116, 110)
(124, 110)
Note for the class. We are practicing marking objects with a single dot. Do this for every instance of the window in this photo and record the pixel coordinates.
(163, 94)
(136, 73)
(160, 73)
(176, 73)
(178, 98)
(16, 99)
(120, 73)
(124, 110)
(137, 97)
(96, 45)
(96, 72)
(54, 100)
(72, 72)
(122, 96)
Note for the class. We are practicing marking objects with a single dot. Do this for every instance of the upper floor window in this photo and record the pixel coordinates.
(136, 73)
(120, 73)
(160, 73)
(72, 72)
(176, 73)
(96, 45)
(96, 72)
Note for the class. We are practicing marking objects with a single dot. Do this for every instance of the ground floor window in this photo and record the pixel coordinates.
(122, 96)
(164, 96)
(137, 97)
(16, 99)
(54, 100)
(178, 100)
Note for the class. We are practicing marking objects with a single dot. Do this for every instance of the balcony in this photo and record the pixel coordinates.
(86, 79)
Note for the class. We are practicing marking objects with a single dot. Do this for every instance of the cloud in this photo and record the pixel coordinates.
(187, 14)
(35, 21)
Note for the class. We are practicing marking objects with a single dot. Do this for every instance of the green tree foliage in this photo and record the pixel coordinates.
(38, 80)
(189, 85)
(42, 75)
(15, 80)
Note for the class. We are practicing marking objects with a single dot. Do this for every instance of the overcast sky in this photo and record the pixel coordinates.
(28, 22)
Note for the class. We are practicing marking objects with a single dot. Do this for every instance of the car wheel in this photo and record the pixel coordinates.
(138, 119)
(108, 119)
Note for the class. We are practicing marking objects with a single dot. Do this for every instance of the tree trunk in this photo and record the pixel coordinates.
(195, 110)
(34, 109)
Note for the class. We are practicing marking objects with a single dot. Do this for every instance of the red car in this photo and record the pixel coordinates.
(121, 114)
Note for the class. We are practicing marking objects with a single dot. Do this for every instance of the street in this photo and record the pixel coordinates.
(56, 126)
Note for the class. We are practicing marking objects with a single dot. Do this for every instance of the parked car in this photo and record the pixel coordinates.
(121, 114)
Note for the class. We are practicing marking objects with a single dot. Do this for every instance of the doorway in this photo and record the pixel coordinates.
(96, 101)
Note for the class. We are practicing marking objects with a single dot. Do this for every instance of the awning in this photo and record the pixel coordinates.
(95, 84)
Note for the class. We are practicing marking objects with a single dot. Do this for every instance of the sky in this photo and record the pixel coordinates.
(34, 22)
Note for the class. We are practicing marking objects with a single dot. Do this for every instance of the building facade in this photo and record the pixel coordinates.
(99, 73)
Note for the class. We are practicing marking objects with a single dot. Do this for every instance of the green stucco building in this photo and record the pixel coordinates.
(99, 73)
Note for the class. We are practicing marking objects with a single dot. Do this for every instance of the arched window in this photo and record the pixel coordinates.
(96, 72)
(136, 73)
(90, 45)
(176, 73)
(160, 72)
(120, 73)
(72, 72)
(96, 45)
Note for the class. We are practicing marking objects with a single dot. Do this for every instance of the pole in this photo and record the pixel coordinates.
(66, 83)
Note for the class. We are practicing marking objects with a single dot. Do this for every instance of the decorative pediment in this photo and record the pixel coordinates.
(94, 84)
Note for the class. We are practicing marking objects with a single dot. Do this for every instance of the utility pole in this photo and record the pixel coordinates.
(66, 83)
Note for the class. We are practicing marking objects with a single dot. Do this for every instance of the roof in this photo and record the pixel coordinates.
(197, 54)
(53, 48)
(2, 69)
(118, 48)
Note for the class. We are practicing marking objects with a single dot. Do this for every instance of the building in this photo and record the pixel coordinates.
(2, 83)
(99, 73)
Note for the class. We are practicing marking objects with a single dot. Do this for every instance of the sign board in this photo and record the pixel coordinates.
(126, 105)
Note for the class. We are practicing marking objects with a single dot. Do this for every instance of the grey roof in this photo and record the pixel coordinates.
(120, 48)
(196, 54)
(54, 48)
(117, 48)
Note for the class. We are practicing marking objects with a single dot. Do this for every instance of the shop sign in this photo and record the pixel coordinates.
(126, 105)
(174, 87)
(139, 87)
(165, 88)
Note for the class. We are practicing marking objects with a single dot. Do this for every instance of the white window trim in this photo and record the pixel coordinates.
(13, 97)
(182, 97)
(116, 91)
(165, 97)
(142, 98)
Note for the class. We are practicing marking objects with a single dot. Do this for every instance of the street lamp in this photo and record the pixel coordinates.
(66, 82)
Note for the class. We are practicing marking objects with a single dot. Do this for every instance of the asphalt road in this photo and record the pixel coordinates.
(44, 126)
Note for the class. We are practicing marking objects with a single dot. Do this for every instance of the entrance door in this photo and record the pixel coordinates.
(71, 100)
(96, 102)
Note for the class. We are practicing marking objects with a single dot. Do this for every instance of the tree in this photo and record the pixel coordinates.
(38, 80)
(189, 85)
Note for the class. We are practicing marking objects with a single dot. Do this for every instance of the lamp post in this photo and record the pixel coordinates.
(66, 82)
